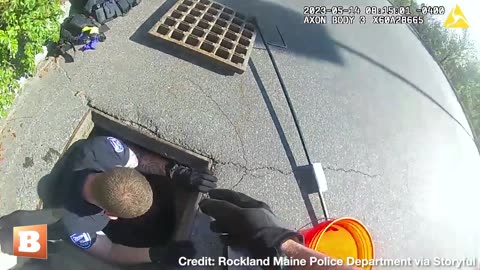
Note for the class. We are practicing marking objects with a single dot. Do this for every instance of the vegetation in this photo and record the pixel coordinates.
(458, 56)
(25, 27)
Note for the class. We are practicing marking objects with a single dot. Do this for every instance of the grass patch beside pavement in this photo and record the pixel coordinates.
(25, 27)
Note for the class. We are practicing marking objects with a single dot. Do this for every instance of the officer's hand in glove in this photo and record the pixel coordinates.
(248, 222)
(192, 179)
(169, 254)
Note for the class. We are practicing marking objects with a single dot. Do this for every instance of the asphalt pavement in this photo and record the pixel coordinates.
(374, 106)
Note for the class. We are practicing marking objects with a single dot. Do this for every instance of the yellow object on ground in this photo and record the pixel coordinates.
(91, 30)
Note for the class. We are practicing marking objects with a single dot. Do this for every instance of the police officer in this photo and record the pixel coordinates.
(105, 182)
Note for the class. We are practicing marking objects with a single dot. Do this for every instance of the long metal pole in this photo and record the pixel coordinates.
(294, 115)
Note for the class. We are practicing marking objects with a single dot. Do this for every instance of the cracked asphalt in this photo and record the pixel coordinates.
(371, 102)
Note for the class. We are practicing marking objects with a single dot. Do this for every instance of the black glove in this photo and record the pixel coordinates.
(192, 179)
(170, 253)
(248, 222)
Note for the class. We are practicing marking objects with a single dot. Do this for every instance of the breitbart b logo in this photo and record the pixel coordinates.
(30, 241)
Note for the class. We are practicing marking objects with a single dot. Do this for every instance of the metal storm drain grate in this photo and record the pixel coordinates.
(210, 29)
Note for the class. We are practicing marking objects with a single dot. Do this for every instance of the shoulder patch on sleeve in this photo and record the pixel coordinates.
(132, 160)
(116, 144)
(82, 240)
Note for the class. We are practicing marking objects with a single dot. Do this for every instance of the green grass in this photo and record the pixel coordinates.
(25, 27)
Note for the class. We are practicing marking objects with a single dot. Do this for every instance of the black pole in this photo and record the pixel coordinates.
(294, 115)
(289, 101)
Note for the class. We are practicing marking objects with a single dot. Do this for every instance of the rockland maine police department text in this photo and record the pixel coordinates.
(285, 261)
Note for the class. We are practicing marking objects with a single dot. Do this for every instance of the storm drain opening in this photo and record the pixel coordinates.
(195, 13)
(227, 44)
(238, 22)
(170, 22)
(177, 35)
(217, 30)
(222, 53)
(179, 206)
(237, 59)
(184, 27)
(244, 42)
(241, 50)
(198, 32)
(213, 11)
(213, 38)
(163, 29)
(206, 46)
(247, 34)
(208, 17)
(221, 23)
(234, 28)
(192, 40)
(204, 25)
(225, 16)
(200, 7)
(231, 36)
(182, 8)
(177, 15)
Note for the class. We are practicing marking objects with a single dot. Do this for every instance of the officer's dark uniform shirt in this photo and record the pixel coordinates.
(83, 221)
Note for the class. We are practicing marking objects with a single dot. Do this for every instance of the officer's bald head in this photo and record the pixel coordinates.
(122, 192)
